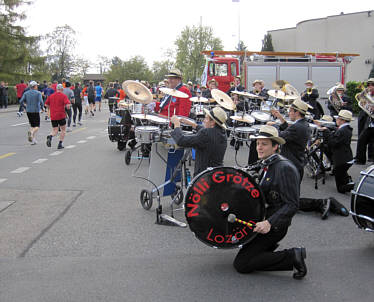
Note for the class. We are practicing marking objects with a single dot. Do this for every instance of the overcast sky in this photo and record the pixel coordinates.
(126, 28)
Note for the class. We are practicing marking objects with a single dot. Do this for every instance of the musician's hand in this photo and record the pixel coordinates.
(175, 120)
(262, 227)
(270, 123)
(276, 114)
(188, 122)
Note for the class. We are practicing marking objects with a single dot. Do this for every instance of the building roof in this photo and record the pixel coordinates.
(308, 20)
(94, 77)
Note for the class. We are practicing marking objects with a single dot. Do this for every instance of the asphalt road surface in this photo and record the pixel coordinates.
(72, 229)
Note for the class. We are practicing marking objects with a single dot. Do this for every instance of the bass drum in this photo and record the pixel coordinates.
(362, 200)
(212, 196)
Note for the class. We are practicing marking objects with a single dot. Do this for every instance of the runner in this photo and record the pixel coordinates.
(57, 103)
(99, 93)
(70, 94)
(34, 104)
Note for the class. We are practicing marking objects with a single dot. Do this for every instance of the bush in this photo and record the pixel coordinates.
(12, 96)
(353, 88)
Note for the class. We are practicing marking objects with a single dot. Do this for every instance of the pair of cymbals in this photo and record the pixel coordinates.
(246, 118)
(223, 99)
(173, 92)
(201, 99)
(247, 94)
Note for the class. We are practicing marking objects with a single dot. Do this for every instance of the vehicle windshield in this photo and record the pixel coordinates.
(218, 69)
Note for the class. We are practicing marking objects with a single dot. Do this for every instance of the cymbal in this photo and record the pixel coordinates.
(290, 90)
(248, 94)
(137, 92)
(223, 99)
(173, 92)
(278, 94)
(246, 118)
(200, 99)
(290, 97)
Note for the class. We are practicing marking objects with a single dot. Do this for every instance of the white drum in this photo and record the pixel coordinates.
(243, 133)
(266, 106)
(137, 108)
(147, 134)
(199, 109)
(261, 116)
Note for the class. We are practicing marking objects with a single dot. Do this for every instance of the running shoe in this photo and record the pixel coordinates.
(29, 136)
(49, 140)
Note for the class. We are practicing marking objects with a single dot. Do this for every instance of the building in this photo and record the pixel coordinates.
(347, 33)
(93, 77)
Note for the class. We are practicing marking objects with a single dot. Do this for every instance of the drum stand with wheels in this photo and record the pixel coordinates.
(141, 150)
(146, 196)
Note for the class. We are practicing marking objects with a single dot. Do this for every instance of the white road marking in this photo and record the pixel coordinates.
(20, 124)
(56, 153)
(3, 180)
(40, 160)
(91, 137)
(20, 170)
(82, 141)
(70, 147)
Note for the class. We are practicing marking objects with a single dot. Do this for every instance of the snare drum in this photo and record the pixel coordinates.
(362, 200)
(137, 108)
(243, 133)
(261, 116)
(147, 134)
(212, 196)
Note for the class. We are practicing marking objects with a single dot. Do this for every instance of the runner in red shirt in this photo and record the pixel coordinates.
(20, 88)
(57, 103)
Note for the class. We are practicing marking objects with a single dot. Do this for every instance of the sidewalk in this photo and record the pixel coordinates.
(11, 108)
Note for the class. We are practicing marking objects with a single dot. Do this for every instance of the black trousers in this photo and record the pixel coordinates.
(342, 178)
(259, 255)
(361, 123)
(77, 107)
(366, 137)
(252, 155)
(68, 113)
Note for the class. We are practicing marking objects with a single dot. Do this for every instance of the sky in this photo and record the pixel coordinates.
(126, 28)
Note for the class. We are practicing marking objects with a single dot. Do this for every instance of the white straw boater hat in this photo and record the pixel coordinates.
(218, 115)
(327, 118)
(174, 73)
(300, 106)
(269, 132)
(345, 115)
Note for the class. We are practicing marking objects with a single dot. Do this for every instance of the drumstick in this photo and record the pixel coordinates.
(232, 218)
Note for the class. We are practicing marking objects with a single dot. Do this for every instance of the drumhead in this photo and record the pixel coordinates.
(212, 196)
(147, 129)
(249, 130)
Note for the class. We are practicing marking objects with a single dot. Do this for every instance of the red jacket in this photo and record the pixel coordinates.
(181, 106)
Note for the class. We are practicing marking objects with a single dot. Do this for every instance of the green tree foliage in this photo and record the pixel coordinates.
(267, 43)
(353, 88)
(135, 68)
(160, 69)
(19, 54)
(241, 47)
(190, 43)
(61, 43)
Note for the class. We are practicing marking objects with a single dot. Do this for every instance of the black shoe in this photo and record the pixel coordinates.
(132, 144)
(337, 208)
(49, 140)
(325, 209)
(299, 263)
(60, 146)
(358, 162)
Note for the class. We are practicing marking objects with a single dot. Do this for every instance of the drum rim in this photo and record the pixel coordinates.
(209, 169)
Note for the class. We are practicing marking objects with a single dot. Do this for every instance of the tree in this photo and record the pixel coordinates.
(160, 69)
(371, 75)
(60, 58)
(79, 69)
(267, 43)
(241, 47)
(190, 43)
(18, 52)
(133, 69)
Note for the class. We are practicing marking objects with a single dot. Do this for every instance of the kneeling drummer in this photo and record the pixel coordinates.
(280, 182)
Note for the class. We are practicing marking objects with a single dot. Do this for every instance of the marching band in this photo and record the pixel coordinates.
(283, 130)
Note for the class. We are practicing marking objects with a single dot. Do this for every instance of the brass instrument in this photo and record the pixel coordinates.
(335, 100)
(366, 102)
(309, 91)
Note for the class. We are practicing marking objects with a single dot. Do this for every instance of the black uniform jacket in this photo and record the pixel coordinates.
(296, 136)
(210, 145)
(339, 143)
(281, 187)
(346, 99)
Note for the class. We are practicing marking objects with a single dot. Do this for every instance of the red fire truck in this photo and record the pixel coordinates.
(324, 69)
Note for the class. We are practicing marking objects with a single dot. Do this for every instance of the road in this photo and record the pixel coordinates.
(72, 229)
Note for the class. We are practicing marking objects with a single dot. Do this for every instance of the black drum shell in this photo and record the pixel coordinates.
(205, 202)
(362, 200)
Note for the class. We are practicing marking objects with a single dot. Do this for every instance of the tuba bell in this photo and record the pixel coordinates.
(366, 102)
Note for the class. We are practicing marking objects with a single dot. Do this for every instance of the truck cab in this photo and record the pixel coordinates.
(223, 70)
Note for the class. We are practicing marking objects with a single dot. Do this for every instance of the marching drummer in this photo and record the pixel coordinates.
(280, 182)
(210, 141)
(171, 105)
